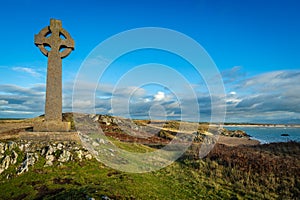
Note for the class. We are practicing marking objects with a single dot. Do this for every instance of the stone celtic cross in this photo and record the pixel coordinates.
(55, 43)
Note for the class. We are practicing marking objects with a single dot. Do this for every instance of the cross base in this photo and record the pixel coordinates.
(52, 126)
(49, 136)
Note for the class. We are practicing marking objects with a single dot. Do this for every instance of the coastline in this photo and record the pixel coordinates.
(264, 125)
(10, 129)
(235, 141)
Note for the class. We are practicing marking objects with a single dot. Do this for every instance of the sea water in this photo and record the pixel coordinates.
(270, 134)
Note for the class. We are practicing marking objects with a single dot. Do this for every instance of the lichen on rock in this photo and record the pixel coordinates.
(22, 154)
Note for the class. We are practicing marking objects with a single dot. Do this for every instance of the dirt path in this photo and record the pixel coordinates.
(235, 141)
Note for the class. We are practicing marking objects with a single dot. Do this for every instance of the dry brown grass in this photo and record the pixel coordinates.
(272, 169)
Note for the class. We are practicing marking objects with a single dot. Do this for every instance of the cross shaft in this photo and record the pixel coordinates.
(61, 44)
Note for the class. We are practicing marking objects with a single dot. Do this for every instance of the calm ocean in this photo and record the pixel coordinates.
(270, 134)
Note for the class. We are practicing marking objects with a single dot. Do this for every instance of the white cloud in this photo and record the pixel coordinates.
(159, 96)
(232, 98)
(16, 112)
(3, 102)
(21, 101)
(30, 71)
(82, 103)
(270, 97)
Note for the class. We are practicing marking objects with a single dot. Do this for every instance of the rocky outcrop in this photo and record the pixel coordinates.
(30, 160)
(20, 156)
(234, 133)
(202, 135)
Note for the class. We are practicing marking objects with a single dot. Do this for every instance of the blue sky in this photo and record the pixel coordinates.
(255, 45)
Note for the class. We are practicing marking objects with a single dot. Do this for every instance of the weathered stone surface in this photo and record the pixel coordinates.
(61, 47)
(88, 156)
(14, 157)
(11, 145)
(50, 136)
(5, 162)
(30, 160)
(79, 154)
(234, 133)
(55, 153)
(65, 156)
(49, 160)
(2, 148)
(55, 126)
(104, 197)
(95, 144)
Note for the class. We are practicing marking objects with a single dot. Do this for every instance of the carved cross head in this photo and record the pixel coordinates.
(56, 38)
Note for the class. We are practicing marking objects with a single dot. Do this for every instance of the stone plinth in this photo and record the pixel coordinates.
(49, 126)
(49, 136)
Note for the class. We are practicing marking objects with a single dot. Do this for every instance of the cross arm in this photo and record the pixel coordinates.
(40, 40)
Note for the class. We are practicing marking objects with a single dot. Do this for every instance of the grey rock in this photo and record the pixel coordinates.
(5, 162)
(79, 154)
(11, 145)
(111, 150)
(95, 144)
(116, 121)
(88, 156)
(101, 141)
(2, 148)
(49, 160)
(30, 159)
(106, 121)
(104, 197)
(84, 137)
(14, 157)
(60, 146)
(65, 156)
(94, 117)
(50, 150)
(22, 147)
(43, 151)
(27, 147)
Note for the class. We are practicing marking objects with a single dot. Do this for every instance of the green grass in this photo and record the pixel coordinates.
(90, 178)
(259, 172)
(226, 173)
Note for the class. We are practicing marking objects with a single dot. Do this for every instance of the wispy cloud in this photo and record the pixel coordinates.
(21, 102)
(29, 71)
(272, 96)
(234, 74)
